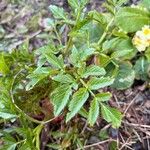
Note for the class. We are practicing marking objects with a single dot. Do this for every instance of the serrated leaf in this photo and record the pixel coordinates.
(3, 66)
(95, 15)
(97, 83)
(75, 56)
(42, 60)
(58, 12)
(84, 2)
(53, 60)
(6, 115)
(102, 97)
(132, 19)
(64, 78)
(85, 53)
(39, 74)
(74, 4)
(110, 44)
(10, 147)
(83, 112)
(103, 60)
(79, 56)
(93, 70)
(121, 53)
(94, 112)
(49, 48)
(60, 97)
(78, 100)
(111, 115)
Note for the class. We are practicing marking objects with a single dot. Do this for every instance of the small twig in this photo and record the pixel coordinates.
(125, 143)
(130, 104)
(137, 135)
(96, 144)
(137, 125)
(86, 123)
(116, 99)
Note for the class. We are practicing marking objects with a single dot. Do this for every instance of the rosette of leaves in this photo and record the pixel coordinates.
(77, 84)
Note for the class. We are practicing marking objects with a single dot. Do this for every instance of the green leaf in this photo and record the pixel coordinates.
(85, 53)
(97, 83)
(94, 70)
(6, 115)
(121, 53)
(132, 19)
(64, 78)
(58, 13)
(125, 76)
(103, 134)
(60, 97)
(42, 60)
(3, 66)
(147, 53)
(110, 44)
(99, 17)
(125, 49)
(10, 142)
(121, 2)
(113, 145)
(145, 3)
(54, 146)
(55, 61)
(121, 48)
(49, 48)
(84, 2)
(111, 115)
(79, 56)
(78, 100)
(102, 97)
(74, 4)
(94, 112)
(83, 112)
(10, 147)
(75, 56)
(103, 60)
(39, 74)
(142, 69)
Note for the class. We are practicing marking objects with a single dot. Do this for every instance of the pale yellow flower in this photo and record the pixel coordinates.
(141, 39)
(146, 32)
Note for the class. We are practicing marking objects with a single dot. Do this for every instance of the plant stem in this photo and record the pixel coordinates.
(105, 32)
(68, 45)
(38, 130)
(70, 38)
(86, 86)
(22, 141)
(57, 34)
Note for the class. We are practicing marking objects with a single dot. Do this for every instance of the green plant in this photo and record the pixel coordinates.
(70, 73)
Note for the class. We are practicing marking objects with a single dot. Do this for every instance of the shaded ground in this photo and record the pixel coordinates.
(23, 19)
